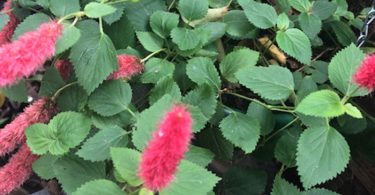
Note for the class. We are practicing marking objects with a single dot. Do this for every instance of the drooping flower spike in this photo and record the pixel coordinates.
(27, 54)
(8, 30)
(128, 66)
(17, 170)
(365, 74)
(13, 134)
(166, 149)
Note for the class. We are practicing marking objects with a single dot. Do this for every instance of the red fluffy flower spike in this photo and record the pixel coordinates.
(128, 66)
(365, 75)
(13, 133)
(164, 152)
(8, 30)
(26, 55)
(17, 171)
(65, 68)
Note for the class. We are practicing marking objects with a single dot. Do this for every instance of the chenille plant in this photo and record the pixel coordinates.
(181, 97)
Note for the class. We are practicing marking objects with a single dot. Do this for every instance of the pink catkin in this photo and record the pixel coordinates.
(26, 55)
(365, 74)
(128, 66)
(13, 133)
(166, 149)
(17, 171)
(8, 30)
(65, 68)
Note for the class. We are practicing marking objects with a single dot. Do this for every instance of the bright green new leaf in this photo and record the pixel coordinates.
(101, 186)
(193, 9)
(283, 22)
(242, 130)
(342, 68)
(65, 131)
(323, 103)
(353, 111)
(236, 60)
(322, 154)
(202, 70)
(97, 10)
(301, 5)
(193, 177)
(97, 147)
(295, 43)
(150, 41)
(261, 15)
(162, 23)
(93, 56)
(273, 82)
(111, 98)
(126, 162)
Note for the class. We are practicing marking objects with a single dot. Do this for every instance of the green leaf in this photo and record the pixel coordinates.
(43, 166)
(72, 172)
(185, 39)
(342, 68)
(322, 154)
(261, 15)
(320, 74)
(73, 98)
(4, 19)
(318, 191)
(352, 111)
(351, 125)
(102, 186)
(122, 119)
(199, 156)
(165, 86)
(307, 86)
(193, 9)
(147, 121)
(126, 162)
(323, 103)
(263, 115)
(112, 97)
(283, 22)
(242, 130)
(236, 60)
(212, 139)
(283, 187)
(343, 32)
(150, 41)
(163, 22)
(286, 147)
(117, 15)
(69, 37)
(140, 12)
(301, 5)
(93, 56)
(204, 98)
(97, 147)
(64, 7)
(97, 10)
(238, 26)
(199, 119)
(65, 131)
(30, 23)
(202, 70)
(193, 177)
(273, 82)
(244, 181)
(310, 24)
(17, 92)
(156, 69)
(121, 33)
(324, 9)
(216, 30)
(295, 43)
(51, 82)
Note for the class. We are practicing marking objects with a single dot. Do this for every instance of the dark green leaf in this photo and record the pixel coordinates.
(244, 181)
(156, 69)
(193, 9)
(64, 7)
(162, 23)
(261, 15)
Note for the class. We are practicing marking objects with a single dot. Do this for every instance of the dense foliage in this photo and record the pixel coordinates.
(263, 82)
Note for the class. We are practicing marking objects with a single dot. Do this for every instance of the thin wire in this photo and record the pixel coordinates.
(364, 31)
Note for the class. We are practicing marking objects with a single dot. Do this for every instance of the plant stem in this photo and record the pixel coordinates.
(274, 108)
(347, 97)
(101, 25)
(72, 15)
(58, 92)
(115, 2)
(152, 55)
(281, 129)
